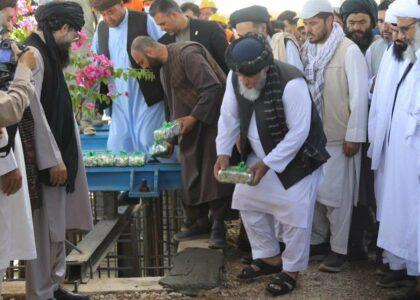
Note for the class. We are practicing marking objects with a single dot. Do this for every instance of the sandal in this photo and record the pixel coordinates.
(264, 269)
(287, 284)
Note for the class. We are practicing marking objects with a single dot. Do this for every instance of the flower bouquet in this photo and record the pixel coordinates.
(90, 70)
(24, 21)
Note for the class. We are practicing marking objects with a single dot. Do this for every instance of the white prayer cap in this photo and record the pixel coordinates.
(390, 17)
(314, 7)
(406, 9)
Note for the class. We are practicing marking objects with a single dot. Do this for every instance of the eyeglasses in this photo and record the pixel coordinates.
(403, 29)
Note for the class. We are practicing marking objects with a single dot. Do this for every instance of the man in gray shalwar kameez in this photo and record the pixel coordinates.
(62, 200)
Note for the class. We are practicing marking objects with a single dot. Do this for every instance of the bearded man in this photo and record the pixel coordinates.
(360, 18)
(56, 175)
(256, 20)
(268, 107)
(376, 51)
(338, 80)
(193, 83)
(395, 148)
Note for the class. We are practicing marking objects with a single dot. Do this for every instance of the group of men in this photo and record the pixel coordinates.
(327, 121)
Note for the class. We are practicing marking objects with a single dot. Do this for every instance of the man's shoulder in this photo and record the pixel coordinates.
(167, 39)
(203, 25)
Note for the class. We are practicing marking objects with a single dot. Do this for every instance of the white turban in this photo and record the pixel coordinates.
(390, 17)
(314, 7)
(406, 9)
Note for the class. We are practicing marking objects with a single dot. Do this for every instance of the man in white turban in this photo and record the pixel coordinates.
(395, 149)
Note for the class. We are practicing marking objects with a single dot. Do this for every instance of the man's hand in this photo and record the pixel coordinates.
(350, 149)
(170, 151)
(11, 182)
(26, 59)
(58, 175)
(221, 164)
(187, 124)
(259, 170)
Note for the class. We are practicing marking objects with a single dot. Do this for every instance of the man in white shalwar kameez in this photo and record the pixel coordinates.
(396, 142)
(17, 240)
(276, 196)
(338, 79)
(133, 119)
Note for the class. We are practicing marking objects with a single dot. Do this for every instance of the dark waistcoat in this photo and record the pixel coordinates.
(313, 152)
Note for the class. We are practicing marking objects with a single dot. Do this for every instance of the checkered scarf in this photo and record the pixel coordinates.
(315, 63)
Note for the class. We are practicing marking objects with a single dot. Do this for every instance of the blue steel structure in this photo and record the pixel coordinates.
(160, 177)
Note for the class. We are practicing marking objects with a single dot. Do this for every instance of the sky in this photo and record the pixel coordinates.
(275, 7)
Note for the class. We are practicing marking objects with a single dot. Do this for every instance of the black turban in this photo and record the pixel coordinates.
(60, 12)
(249, 55)
(7, 3)
(255, 13)
(360, 6)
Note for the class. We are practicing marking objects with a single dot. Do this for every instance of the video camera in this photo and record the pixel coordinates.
(8, 62)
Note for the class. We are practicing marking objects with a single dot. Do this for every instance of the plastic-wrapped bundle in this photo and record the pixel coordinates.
(159, 148)
(168, 130)
(122, 159)
(236, 174)
(106, 159)
(136, 159)
(90, 159)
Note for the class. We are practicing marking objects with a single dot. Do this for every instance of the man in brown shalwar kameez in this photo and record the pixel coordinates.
(194, 85)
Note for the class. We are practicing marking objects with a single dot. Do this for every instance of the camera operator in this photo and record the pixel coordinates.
(15, 99)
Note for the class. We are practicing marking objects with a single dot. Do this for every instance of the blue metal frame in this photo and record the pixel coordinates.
(159, 177)
(97, 142)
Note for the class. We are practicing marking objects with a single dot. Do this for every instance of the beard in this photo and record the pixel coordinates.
(252, 94)
(399, 49)
(63, 51)
(316, 39)
(154, 63)
(360, 38)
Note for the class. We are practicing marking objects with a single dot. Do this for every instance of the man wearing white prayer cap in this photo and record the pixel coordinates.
(395, 147)
(337, 74)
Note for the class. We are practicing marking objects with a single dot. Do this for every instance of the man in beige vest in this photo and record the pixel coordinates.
(337, 75)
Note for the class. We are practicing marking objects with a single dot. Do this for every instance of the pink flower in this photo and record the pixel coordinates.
(90, 106)
(80, 42)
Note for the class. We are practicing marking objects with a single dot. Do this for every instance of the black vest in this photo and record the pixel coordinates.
(137, 26)
(313, 152)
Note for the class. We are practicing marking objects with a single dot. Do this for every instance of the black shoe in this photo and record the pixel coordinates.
(218, 235)
(396, 279)
(333, 263)
(62, 294)
(192, 233)
(382, 269)
(319, 252)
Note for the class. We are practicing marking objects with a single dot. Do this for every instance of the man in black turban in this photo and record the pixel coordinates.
(56, 179)
(268, 107)
(360, 17)
(254, 16)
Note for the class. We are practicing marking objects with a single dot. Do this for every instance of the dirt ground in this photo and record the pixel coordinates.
(357, 281)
